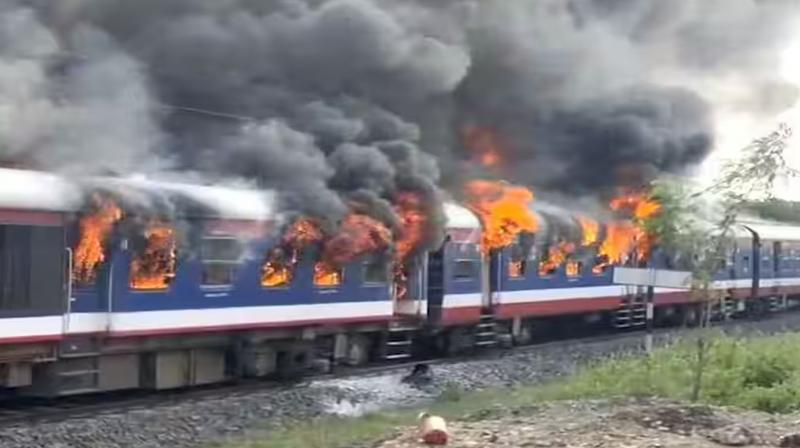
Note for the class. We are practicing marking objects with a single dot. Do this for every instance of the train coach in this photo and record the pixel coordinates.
(208, 314)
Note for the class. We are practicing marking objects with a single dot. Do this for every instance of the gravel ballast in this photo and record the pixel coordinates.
(194, 423)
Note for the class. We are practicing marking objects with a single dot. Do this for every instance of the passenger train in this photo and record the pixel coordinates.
(213, 320)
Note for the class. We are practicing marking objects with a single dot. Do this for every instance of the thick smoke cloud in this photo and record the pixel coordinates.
(334, 101)
(92, 111)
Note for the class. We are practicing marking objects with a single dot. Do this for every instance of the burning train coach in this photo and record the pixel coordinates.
(122, 284)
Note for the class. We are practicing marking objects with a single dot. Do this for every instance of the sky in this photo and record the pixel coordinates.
(735, 127)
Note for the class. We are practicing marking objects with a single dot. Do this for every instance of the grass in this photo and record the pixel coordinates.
(761, 373)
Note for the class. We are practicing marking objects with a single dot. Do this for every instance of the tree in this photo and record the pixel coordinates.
(700, 224)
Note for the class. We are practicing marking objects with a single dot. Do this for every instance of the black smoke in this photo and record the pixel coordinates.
(334, 101)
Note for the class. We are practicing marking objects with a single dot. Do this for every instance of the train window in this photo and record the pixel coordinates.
(217, 274)
(154, 264)
(465, 269)
(327, 275)
(519, 260)
(574, 268)
(375, 271)
(220, 248)
(517, 268)
(31, 269)
(220, 257)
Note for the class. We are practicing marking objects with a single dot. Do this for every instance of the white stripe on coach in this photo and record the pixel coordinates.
(553, 294)
(214, 317)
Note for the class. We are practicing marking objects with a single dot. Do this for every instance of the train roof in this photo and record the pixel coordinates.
(769, 230)
(35, 190)
(38, 190)
(459, 217)
(218, 201)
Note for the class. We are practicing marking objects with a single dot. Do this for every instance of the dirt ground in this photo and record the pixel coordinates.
(630, 424)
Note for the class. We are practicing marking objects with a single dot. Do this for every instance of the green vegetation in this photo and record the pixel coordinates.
(761, 373)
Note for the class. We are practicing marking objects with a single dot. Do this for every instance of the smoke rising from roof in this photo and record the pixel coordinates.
(343, 99)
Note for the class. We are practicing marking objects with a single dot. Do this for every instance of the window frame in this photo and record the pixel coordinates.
(475, 272)
(232, 265)
(365, 268)
(342, 271)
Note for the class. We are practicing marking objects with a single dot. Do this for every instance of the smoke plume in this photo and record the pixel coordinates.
(331, 101)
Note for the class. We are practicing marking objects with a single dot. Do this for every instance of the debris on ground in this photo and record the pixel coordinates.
(630, 423)
(433, 429)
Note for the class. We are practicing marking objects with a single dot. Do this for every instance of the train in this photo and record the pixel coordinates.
(209, 317)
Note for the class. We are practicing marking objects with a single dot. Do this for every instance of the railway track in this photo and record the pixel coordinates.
(28, 411)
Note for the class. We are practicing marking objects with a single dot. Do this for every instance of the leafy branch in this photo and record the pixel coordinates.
(700, 226)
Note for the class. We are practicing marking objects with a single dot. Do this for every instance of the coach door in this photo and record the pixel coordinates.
(86, 292)
(490, 279)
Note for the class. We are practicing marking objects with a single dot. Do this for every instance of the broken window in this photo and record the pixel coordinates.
(326, 275)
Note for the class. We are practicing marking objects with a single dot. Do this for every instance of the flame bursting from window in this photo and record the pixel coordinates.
(627, 239)
(516, 268)
(557, 254)
(327, 274)
(358, 234)
(573, 268)
(154, 267)
(278, 270)
(484, 143)
(95, 230)
(503, 209)
(413, 223)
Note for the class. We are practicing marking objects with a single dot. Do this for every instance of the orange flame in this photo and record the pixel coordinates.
(591, 230)
(503, 210)
(413, 222)
(302, 233)
(278, 269)
(556, 255)
(95, 230)
(358, 235)
(484, 143)
(628, 240)
(639, 205)
(516, 269)
(408, 206)
(326, 274)
(154, 267)
(573, 268)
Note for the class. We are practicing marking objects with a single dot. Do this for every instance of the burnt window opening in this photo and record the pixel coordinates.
(517, 268)
(547, 269)
(376, 270)
(327, 275)
(601, 269)
(521, 257)
(465, 270)
(220, 257)
(574, 269)
(91, 245)
(278, 269)
(154, 266)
